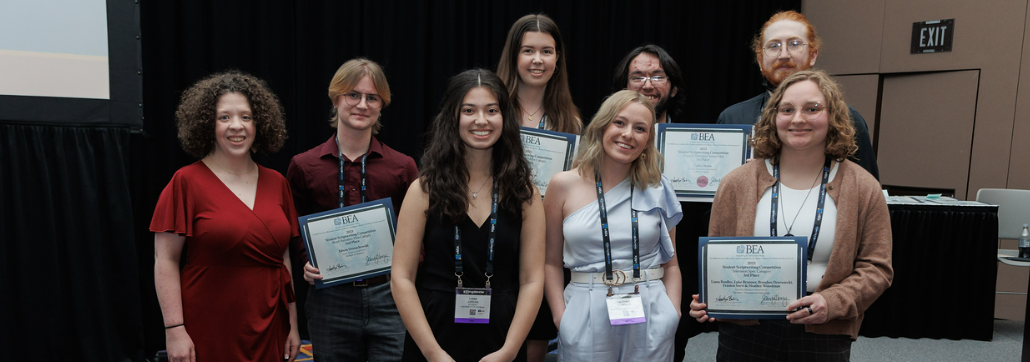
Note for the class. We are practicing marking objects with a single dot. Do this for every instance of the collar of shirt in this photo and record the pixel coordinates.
(329, 149)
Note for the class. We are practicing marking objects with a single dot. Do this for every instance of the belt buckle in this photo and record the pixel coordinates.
(618, 278)
(361, 283)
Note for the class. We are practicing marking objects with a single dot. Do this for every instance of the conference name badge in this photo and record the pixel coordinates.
(625, 309)
(472, 305)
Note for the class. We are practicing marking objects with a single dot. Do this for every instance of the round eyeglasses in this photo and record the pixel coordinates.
(371, 100)
(809, 111)
(794, 47)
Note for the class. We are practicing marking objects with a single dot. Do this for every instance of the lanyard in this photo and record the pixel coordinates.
(363, 174)
(818, 209)
(603, 209)
(458, 271)
(543, 121)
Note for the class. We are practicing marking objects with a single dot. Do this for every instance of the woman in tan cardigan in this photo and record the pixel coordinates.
(802, 142)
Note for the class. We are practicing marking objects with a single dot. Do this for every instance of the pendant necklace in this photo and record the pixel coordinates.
(524, 111)
(791, 227)
(476, 193)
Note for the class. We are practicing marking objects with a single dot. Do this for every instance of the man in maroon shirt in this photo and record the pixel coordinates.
(355, 321)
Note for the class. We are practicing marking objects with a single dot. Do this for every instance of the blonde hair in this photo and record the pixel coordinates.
(348, 76)
(645, 170)
(840, 133)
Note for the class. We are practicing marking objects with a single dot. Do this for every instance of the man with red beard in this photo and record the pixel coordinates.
(786, 45)
(650, 70)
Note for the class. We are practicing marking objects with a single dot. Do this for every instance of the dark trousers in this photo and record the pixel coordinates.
(778, 340)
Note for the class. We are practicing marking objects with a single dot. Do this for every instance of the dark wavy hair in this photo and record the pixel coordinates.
(672, 70)
(840, 133)
(195, 117)
(444, 174)
(562, 114)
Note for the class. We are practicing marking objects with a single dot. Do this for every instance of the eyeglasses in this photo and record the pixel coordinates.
(658, 79)
(794, 47)
(371, 100)
(808, 111)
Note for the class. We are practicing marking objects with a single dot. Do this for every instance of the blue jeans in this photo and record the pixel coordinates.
(350, 323)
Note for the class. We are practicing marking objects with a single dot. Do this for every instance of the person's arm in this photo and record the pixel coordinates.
(293, 339)
(167, 251)
(673, 278)
(531, 279)
(411, 225)
(554, 276)
(872, 272)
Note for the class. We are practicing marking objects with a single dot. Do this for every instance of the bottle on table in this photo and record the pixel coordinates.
(1024, 242)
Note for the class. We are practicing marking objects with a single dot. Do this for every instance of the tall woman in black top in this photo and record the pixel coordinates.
(473, 163)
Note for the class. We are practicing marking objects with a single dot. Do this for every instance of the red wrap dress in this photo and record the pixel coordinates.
(235, 286)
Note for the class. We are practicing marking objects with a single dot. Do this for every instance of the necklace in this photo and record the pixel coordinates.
(524, 111)
(791, 226)
(476, 193)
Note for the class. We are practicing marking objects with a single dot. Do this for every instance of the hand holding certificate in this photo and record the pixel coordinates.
(697, 156)
(751, 277)
(350, 243)
(548, 153)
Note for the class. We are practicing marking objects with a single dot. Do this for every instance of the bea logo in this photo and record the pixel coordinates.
(698, 136)
(750, 249)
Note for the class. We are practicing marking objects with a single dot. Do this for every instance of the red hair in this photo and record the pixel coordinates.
(813, 40)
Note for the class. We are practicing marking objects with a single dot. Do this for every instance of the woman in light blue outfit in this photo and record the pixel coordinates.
(615, 177)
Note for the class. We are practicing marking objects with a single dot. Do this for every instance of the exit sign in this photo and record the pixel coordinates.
(932, 36)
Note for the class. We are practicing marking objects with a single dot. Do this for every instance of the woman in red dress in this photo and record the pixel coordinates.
(233, 300)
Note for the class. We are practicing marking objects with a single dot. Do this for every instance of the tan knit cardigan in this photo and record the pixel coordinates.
(859, 268)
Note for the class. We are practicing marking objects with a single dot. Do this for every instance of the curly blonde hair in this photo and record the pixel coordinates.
(195, 117)
(840, 135)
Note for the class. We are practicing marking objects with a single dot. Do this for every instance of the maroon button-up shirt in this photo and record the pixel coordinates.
(314, 179)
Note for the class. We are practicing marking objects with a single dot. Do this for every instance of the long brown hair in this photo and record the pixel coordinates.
(562, 114)
(444, 174)
(840, 133)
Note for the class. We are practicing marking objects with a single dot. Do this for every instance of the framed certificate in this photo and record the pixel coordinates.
(697, 156)
(751, 277)
(548, 153)
(350, 243)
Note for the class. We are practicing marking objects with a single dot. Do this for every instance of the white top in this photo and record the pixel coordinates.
(790, 203)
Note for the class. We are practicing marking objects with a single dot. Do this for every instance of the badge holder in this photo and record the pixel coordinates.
(472, 305)
(624, 308)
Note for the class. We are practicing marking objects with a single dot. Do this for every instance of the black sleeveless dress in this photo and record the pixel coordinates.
(435, 283)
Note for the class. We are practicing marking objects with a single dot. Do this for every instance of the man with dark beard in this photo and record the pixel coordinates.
(788, 44)
(650, 70)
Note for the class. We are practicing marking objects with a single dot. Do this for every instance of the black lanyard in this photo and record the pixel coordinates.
(543, 122)
(490, 247)
(818, 209)
(603, 209)
(363, 174)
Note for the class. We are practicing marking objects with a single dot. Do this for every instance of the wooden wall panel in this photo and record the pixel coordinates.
(989, 37)
(851, 31)
(1019, 162)
(926, 129)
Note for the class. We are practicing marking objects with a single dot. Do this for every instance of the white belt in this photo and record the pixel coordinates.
(620, 277)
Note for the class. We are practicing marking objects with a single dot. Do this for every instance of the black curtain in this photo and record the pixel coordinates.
(69, 259)
(77, 201)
